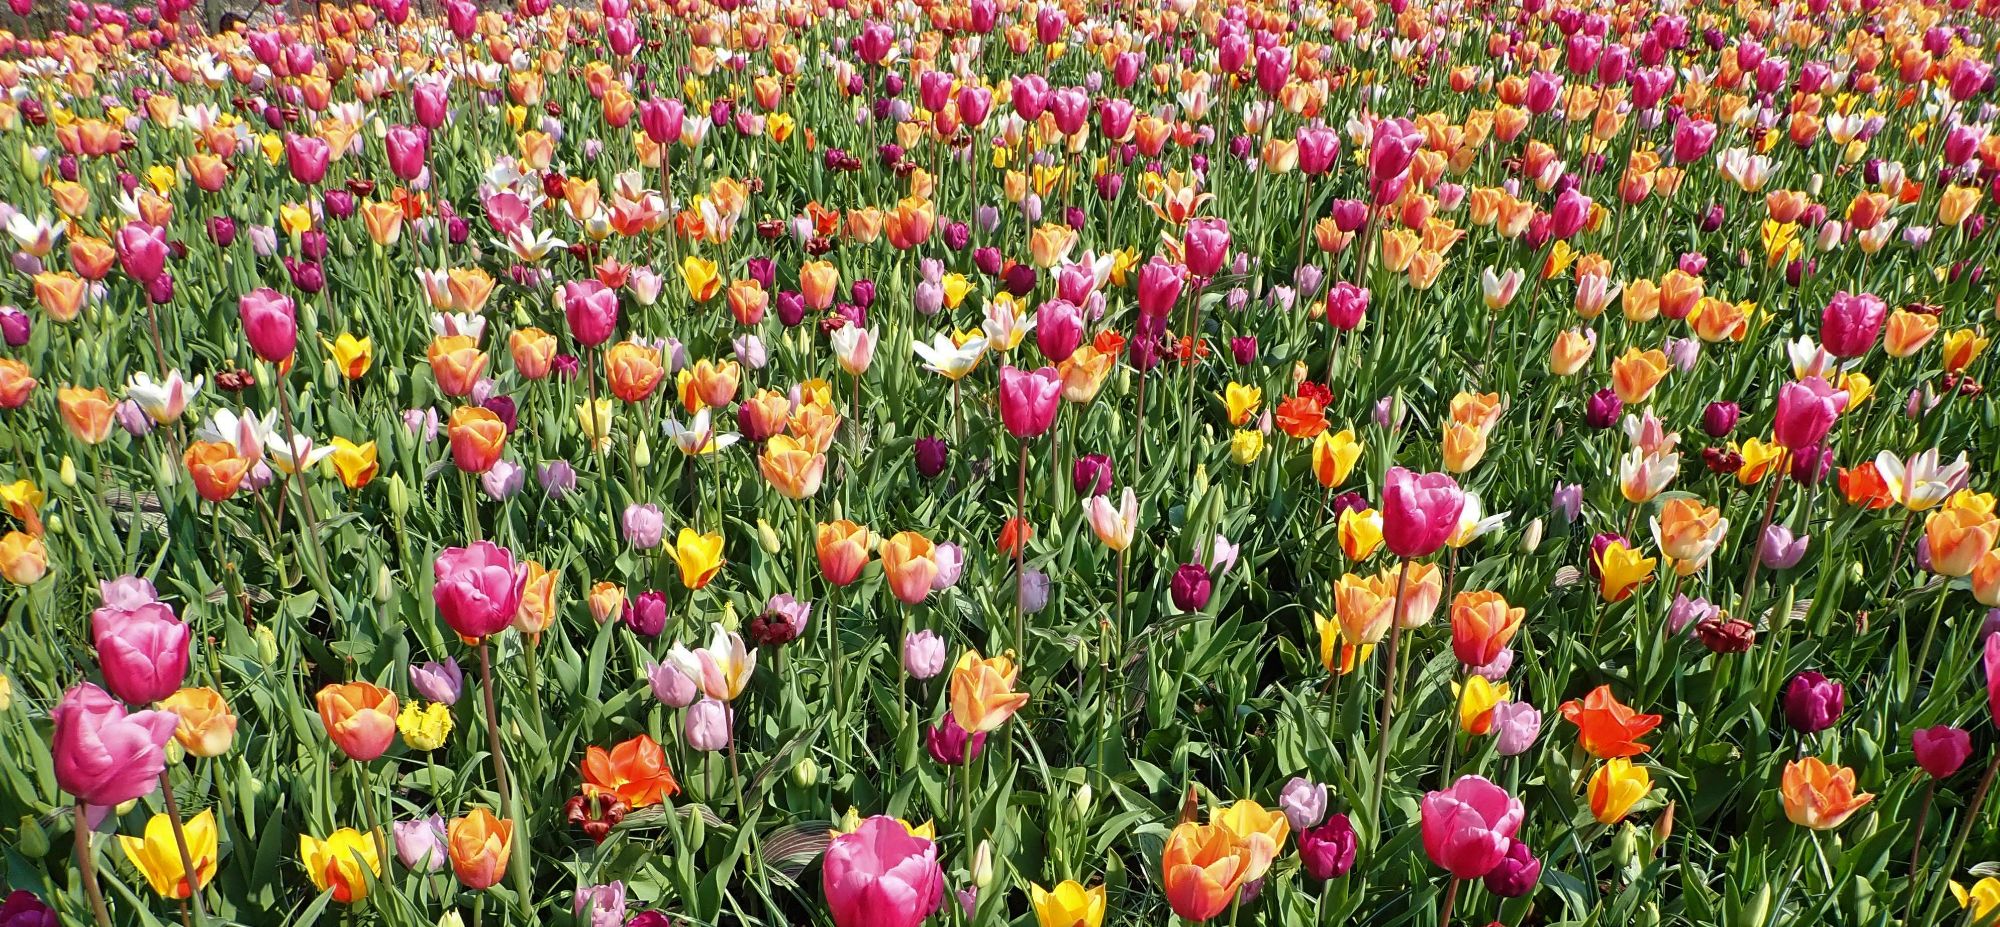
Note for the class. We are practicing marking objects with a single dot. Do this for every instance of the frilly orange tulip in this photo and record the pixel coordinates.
(982, 692)
(634, 771)
(1818, 795)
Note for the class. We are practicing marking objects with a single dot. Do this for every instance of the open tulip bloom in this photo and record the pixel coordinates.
(647, 462)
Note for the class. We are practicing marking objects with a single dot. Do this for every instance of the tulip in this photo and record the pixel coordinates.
(1419, 512)
(1516, 874)
(206, 726)
(337, 862)
(881, 875)
(644, 525)
(1515, 725)
(1812, 702)
(1482, 625)
(1304, 803)
(1327, 851)
(699, 557)
(143, 652)
(1615, 788)
(1820, 796)
(270, 323)
(1850, 323)
(1606, 727)
(923, 654)
(1029, 400)
(982, 692)
(1941, 750)
(1806, 412)
(951, 745)
(479, 845)
(909, 561)
(1468, 828)
(591, 308)
(103, 755)
(635, 772)
(420, 844)
(1204, 867)
(601, 905)
(1068, 905)
(360, 718)
(439, 682)
(477, 438)
(478, 589)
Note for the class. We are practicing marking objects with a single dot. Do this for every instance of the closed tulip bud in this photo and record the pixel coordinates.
(1941, 750)
(1813, 703)
(982, 865)
(1517, 872)
(1531, 537)
(767, 538)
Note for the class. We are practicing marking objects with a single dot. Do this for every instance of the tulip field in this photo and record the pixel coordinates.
(995, 463)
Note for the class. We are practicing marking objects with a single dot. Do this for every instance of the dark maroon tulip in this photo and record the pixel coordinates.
(1719, 419)
(932, 455)
(1190, 587)
(1517, 873)
(1813, 702)
(951, 745)
(1091, 475)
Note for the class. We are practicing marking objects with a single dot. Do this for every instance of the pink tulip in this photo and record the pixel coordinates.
(1991, 663)
(1419, 511)
(1468, 827)
(881, 875)
(1030, 96)
(933, 89)
(1205, 245)
(1851, 323)
(1058, 329)
(270, 323)
(974, 103)
(1274, 68)
(407, 148)
(478, 588)
(142, 251)
(661, 120)
(1319, 146)
(507, 212)
(875, 43)
(429, 97)
(1028, 400)
(1346, 304)
(1394, 147)
(103, 755)
(1807, 410)
(1571, 212)
(307, 157)
(1692, 138)
(1544, 89)
(592, 311)
(1071, 106)
(143, 651)
(1160, 283)
(1114, 118)
(622, 35)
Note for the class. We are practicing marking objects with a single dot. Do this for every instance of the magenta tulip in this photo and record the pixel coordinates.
(307, 157)
(1160, 283)
(1851, 323)
(1807, 410)
(1205, 244)
(1419, 511)
(1468, 828)
(881, 875)
(478, 588)
(270, 323)
(591, 309)
(1058, 329)
(143, 651)
(142, 251)
(1941, 750)
(103, 755)
(1029, 400)
(407, 147)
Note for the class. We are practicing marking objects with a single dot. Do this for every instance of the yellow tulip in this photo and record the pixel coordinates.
(158, 857)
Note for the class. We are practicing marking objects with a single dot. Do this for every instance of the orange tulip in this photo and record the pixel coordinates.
(87, 413)
(633, 370)
(982, 692)
(1636, 373)
(843, 551)
(60, 294)
(17, 382)
(715, 382)
(538, 608)
(534, 352)
(791, 469)
(479, 845)
(634, 771)
(477, 437)
(215, 468)
(1958, 539)
(1482, 625)
(457, 364)
(1689, 532)
(1362, 606)
(1204, 866)
(1820, 796)
(92, 257)
(1607, 728)
(817, 282)
(206, 728)
(1908, 332)
(360, 718)
(910, 561)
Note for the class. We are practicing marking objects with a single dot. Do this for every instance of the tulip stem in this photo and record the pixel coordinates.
(520, 855)
(87, 868)
(1450, 901)
(305, 492)
(1020, 548)
(1388, 694)
(1923, 653)
(1917, 847)
(188, 871)
(1958, 842)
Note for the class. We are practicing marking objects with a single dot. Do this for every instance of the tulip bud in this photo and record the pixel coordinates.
(267, 645)
(67, 475)
(55, 523)
(175, 752)
(728, 619)
(805, 774)
(166, 470)
(849, 822)
(31, 839)
(1082, 799)
(1531, 537)
(385, 584)
(399, 495)
(1625, 847)
(767, 538)
(451, 919)
(642, 452)
(982, 864)
(6, 693)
